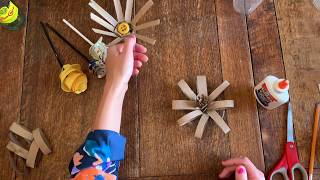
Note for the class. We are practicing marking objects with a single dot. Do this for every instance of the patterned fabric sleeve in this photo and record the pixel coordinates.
(98, 158)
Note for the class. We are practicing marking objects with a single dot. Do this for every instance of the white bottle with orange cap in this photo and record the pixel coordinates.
(272, 92)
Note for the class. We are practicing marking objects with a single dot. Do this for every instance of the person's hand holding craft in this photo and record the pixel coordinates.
(243, 168)
(125, 60)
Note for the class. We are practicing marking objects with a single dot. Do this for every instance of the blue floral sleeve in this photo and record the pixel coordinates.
(98, 158)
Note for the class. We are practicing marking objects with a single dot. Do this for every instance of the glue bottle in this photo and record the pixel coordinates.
(272, 92)
(11, 16)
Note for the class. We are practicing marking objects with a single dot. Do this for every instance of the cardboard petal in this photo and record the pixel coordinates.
(142, 11)
(218, 90)
(201, 126)
(185, 88)
(184, 105)
(219, 121)
(189, 117)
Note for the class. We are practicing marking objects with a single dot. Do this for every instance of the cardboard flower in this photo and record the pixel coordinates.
(203, 105)
(124, 25)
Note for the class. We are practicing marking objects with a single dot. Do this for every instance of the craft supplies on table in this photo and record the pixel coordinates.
(272, 92)
(71, 77)
(203, 105)
(11, 17)
(290, 160)
(96, 66)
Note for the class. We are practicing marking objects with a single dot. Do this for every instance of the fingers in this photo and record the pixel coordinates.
(140, 57)
(129, 43)
(240, 161)
(227, 171)
(135, 72)
(140, 48)
(137, 64)
(241, 173)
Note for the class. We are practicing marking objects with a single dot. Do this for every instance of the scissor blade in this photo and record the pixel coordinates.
(290, 130)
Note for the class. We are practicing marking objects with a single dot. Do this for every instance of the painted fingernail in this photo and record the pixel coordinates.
(241, 170)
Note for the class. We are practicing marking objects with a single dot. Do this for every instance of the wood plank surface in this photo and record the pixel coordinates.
(245, 137)
(187, 46)
(66, 118)
(12, 58)
(299, 23)
(177, 177)
(267, 60)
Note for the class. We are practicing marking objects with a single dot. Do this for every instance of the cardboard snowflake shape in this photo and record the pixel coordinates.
(203, 105)
(124, 25)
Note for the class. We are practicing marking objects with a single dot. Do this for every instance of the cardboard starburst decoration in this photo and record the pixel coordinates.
(203, 105)
(124, 25)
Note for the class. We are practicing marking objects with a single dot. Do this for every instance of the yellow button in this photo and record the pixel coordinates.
(123, 28)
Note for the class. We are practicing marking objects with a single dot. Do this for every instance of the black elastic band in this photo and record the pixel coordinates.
(53, 47)
(68, 42)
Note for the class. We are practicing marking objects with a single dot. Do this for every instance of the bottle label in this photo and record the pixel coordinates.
(9, 14)
(264, 95)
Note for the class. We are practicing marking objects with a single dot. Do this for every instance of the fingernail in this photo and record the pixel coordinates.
(241, 170)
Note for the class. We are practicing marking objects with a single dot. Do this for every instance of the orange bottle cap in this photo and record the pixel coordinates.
(283, 84)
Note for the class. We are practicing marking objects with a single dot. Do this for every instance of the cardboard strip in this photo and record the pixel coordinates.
(32, 155)
(146, 39)
(185, 88)
(17, 149)
(218, 90)
(99, 31)
(21, 131)
(78, 32)
(147, 25)
(142, 11)
(41, 141)
(184, 105)
(13, 163)
(201, 126)
(102, 22)
(117, 6)
(129, 8)
(189, 117)
(219, 121)
(103, 13)
(116, 41)
(220, 105)
(202, 85)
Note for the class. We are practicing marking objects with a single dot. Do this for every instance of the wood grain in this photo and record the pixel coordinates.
(187, 46)
(65, 118)
(12, 58)
(267, 59)
(299, 24)
(177, 177)
(245, 138)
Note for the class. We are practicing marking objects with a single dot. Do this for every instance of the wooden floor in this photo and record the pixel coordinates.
(196, 37)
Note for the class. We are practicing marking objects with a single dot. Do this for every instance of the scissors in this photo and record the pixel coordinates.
(289, 161)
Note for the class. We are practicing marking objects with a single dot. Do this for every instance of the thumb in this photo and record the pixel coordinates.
(241, 173)
(129, 43)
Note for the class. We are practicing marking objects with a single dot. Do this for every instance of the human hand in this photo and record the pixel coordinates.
(243, 168)
(124, 60)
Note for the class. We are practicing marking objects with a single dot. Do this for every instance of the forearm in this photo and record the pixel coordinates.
(110, 109)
